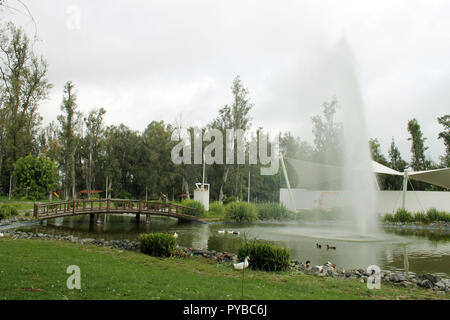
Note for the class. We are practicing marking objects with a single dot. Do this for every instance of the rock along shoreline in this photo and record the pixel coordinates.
(397, 278)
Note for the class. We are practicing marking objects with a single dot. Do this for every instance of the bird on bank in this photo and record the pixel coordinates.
(221, 231)
(175, 235)
(307, 264)
(242, 265)
(236, 233)
(2, 234)
(331, 247)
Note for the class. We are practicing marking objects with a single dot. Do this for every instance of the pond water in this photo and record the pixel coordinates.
(415, 251)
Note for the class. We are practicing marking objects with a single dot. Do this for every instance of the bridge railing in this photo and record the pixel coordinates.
(85, 206)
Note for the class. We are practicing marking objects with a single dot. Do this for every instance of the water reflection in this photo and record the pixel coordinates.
(417, 251)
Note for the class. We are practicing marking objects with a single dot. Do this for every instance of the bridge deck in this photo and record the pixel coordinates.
(108, 206)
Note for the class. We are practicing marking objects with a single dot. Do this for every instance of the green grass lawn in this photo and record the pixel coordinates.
(36, 269)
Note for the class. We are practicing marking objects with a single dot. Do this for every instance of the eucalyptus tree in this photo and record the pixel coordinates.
(93, 145)
(23, 85)
(445, 135)
(70, 122)
(234, 116)
(418, 148)
(327, 134)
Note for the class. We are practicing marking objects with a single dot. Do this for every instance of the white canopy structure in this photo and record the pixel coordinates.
(311, 174)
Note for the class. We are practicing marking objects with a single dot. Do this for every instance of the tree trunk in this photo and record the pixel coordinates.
(74, 195)
(186, 188)
(224, 181)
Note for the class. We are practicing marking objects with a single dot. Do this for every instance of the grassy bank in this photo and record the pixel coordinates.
(36, 269)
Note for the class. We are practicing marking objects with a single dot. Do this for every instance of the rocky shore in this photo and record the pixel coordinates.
(433, 226)
(427, 281)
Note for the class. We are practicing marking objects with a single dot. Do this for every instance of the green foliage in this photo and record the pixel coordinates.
(388, 217)
(194, 204)
(403, 215)
(434, 215)
(240, 212)
(158, 244)
(8, 210)
(123, 194)
(36, 177)
(265, 256)
(420, 217)
(227, 200)
(216, 209)
(272, 211)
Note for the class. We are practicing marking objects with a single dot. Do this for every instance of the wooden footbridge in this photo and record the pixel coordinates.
(112, 206)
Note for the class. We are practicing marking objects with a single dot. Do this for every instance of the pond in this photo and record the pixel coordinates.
(416, 251)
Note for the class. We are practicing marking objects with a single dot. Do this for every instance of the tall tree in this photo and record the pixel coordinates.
(445, 135)
(397, 163)
(70, 122)
(327, 134)
(92, 143)
(418, 160)
(234, 116)
(23, 85)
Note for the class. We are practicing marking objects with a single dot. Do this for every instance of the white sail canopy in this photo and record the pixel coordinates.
(439, 177)
(311, 173)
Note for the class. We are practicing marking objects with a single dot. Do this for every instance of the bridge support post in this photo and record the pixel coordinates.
(91, 217)
(138, 217)
(99, 218)
(147, 219)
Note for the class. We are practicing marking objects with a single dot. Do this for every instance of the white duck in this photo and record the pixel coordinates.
(175, 235)
(230, 231)
(2, 234)
(242, 265)
(221, 231)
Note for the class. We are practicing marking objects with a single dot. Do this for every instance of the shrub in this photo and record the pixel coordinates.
(123, 194)
(158, 244)
(388, 217)
(403, 215)
(216, 209)
(275, 211)
(265, 256)
(194, 204)
(420, 217)
(227, 200)
(8, 210)
(433, 215)
(240, 212)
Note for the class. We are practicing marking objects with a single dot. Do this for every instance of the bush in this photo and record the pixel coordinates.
(8, 210)
(216, 209)
(227, 200)
(265, 256)
(123, 194)
(403, 215)
(420, 217)
(194, 204)
(240, 212)
(275, 211)
(158, 244)
(433, 215)
(388, 218)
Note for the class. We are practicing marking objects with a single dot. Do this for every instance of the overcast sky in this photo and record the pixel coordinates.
(169, 60)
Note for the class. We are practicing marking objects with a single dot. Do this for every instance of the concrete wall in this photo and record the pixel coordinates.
(388, 201)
